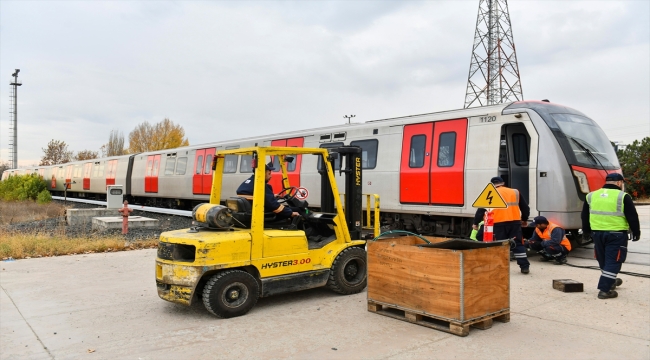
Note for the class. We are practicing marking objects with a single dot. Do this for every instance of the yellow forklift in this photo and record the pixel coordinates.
(237, 253)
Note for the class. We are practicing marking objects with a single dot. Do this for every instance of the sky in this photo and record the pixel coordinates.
(227, 70)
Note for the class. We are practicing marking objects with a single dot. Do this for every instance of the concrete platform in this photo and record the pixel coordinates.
(63, 307)
(85, 216)
(115, 222)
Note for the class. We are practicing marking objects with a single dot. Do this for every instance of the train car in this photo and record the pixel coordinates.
(427, 168)
(89, 178)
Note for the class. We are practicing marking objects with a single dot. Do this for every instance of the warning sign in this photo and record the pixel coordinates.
(490, 198)
(302, 193)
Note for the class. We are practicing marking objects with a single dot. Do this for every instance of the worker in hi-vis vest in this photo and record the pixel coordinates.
(608, 214)
(508, 221)
(550, 241)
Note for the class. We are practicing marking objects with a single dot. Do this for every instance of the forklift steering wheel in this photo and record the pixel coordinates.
(288, 193)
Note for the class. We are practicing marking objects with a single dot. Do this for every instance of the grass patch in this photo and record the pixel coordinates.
(12, 212)
(21, 245)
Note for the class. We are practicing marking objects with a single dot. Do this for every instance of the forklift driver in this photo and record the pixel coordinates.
(245, 190)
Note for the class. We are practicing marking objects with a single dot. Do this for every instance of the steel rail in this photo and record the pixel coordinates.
(185, 213)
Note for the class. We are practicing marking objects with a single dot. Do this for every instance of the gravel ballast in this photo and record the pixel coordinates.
(58, 226)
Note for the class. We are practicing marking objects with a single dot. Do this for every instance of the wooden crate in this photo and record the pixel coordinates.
(458, 287)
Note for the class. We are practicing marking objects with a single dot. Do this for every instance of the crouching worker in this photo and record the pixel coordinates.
(549, 240)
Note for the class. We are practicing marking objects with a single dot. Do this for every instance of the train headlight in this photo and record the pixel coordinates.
(582, 180)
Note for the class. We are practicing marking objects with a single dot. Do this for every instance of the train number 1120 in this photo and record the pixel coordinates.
(488, 119)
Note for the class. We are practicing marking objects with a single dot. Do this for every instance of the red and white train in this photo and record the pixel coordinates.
(428, 169)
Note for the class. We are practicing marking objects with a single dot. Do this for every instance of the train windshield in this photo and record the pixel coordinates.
(588, 143)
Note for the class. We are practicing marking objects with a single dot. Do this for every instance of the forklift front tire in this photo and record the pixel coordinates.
(230, 293)
(349, 271)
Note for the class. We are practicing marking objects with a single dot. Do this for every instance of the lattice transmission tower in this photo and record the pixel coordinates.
(493, 71)
(13, 124)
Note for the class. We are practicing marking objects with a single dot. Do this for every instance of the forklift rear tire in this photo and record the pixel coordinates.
(348, 273)
(230, 293)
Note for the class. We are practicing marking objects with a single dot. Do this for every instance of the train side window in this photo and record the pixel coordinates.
(208, 164)
(181, 166)
(169, 166)
(230, 164)
(199, 165)
(416, 157)
(446, 149)
(276, 164)
(520, 149)
(290, 166)
(368, 152)
(337, 162)
(503, 153)
(246, 165)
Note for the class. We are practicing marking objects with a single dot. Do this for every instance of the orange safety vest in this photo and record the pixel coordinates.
(546, 235)
(512, 213)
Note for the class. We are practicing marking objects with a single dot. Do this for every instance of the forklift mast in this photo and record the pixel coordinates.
(351, 166)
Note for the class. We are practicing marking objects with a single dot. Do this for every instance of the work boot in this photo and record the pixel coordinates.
(618, 282)
(607, 295)
(561, 261)
(525, 270)
(543, 258)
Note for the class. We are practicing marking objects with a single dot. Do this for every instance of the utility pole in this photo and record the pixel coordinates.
(13, 125)
(493, 71)
(349, 117)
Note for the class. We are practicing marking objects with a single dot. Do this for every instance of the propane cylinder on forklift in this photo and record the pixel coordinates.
(212, 216)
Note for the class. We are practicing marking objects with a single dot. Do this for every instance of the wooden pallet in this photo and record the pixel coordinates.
(456, 328)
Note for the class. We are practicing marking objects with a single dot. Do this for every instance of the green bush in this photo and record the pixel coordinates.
(22, 187)
(44, 197)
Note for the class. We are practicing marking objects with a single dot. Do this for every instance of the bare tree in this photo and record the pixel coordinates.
(56, 152)
(86, 155)
(163, 135)
(115, 145)
(4, 165)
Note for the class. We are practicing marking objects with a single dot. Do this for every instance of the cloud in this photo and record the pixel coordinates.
(227, 70)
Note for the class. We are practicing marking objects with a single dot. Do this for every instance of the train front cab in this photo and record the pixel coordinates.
(574, 156)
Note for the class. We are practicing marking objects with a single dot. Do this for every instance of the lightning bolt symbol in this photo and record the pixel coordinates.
(489, 198)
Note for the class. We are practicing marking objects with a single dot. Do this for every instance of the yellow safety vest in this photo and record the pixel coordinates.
(606, 210)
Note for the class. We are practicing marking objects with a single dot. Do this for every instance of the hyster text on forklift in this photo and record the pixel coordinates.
(237, 253)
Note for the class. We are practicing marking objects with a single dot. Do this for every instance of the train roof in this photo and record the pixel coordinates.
(538, 106)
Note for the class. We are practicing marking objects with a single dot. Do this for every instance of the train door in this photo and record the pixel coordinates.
(202, 177)
(111, 171)
(206, 187)
(55, 173)
(433, 163)
(416, 163)
(197, 178)
(293, 168)
(87, 172)
(151, 174)
(448, 162)
(68, 176)
(514, 157)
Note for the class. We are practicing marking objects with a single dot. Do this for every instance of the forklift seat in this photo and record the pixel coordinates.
(243, 212)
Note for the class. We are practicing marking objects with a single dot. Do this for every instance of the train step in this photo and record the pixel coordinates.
(456, 328)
